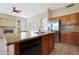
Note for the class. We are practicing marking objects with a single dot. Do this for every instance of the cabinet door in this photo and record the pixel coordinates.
(65, 20)
(51, 42)
(74, 18)
(9, 22)
(78, 18)
(45, 45)
(73, 38)
(48, 43)
(63, 37)
(77, 39)
(70, 38)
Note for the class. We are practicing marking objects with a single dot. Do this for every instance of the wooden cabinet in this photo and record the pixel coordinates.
(65, 37)
(62, 37)
(65, 20)
(74, 18)
(70, 19)
(70, 38)
(70, 22)
(47, 43)
(77, 39)
(51, 42)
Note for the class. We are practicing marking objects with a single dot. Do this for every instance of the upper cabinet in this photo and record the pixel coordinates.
(74, 18)
(65, 20)
(69, 19)
(16, 22)
(7, 22)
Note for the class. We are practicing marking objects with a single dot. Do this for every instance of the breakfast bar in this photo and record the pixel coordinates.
(25, 43)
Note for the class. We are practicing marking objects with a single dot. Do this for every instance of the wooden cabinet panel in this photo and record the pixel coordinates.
(47, 43)
(73, 38)
(64, 37)
(77, 38)
(51, 42)
(78, 17)
(70, 38)
(74, 18)
(69, 19)
(16, 49)
(65, 20)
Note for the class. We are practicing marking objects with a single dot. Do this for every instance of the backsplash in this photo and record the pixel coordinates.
(72, 28)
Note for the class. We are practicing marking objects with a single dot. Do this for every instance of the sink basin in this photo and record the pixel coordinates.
(39, 32)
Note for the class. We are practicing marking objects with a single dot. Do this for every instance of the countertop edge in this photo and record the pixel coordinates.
(16, 42)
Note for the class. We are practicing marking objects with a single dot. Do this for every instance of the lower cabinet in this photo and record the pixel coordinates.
(51, 42)
(47, 44)
(65, 37)
(70, 37)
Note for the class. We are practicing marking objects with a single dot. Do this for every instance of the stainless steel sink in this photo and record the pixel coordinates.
(39, 32)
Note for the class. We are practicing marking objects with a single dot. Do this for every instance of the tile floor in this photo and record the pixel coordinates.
(65, 49)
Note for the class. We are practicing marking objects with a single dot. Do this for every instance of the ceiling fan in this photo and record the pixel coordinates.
(16, 10)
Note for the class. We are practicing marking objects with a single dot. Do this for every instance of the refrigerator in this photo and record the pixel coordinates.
(54, 26)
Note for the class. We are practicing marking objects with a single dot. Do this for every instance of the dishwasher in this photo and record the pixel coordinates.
(31, 47)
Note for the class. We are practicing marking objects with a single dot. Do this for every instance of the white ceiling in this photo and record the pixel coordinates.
(31, 9)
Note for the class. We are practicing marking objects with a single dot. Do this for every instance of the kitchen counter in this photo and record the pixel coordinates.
(22, 36)
(18, 43)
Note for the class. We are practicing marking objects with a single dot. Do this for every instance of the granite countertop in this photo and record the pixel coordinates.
(22, 36)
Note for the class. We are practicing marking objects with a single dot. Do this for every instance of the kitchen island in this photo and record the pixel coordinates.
(25, 43)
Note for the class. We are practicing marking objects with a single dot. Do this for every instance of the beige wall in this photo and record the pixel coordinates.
(49, 13)
(65, 11)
